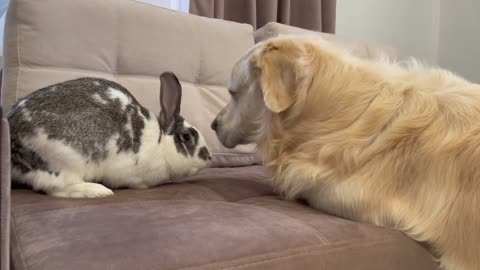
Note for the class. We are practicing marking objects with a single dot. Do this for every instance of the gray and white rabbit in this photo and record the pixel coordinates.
(68, 138)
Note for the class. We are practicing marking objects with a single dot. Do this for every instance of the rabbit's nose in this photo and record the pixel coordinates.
(204, 154)
(214, 125)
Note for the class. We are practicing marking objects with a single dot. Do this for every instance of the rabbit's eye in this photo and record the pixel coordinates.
(186, 136)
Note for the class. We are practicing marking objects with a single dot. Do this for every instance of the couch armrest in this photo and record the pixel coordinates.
(358, 48)
(5, 187)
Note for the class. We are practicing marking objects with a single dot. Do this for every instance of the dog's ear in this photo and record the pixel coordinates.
(277, 64)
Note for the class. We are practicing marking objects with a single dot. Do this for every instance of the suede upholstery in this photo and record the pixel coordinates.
(223, 218)
(226, 218)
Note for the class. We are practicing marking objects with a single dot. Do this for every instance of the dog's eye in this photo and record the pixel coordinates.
(231, 93)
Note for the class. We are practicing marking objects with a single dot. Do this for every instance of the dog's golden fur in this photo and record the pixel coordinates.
(366, 140)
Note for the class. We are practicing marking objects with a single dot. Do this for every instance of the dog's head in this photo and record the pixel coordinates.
(270, 78)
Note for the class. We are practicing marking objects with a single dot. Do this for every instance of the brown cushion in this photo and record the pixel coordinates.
(226, 219)
(131, 43)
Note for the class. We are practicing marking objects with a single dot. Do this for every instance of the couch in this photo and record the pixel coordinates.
(226, 216)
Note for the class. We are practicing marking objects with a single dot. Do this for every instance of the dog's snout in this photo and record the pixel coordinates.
(214, 125)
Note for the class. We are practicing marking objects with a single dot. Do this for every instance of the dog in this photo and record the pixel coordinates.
(373, 141)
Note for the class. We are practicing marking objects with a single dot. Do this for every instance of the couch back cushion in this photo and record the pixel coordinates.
(129, 42)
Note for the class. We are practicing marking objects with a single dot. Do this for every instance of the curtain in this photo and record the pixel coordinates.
(317, 15)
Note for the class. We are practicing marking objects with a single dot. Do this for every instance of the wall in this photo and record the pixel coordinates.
(411, 26)
(438, 32)
(459, 38)
(179, 5)
(3, 9)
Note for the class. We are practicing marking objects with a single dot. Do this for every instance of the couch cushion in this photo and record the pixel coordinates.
(225, 218)
(358, 48)
(129, 42)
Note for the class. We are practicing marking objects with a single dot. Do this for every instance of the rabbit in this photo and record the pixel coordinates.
(83, 137)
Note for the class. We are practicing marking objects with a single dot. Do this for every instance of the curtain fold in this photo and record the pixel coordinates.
(317, 15)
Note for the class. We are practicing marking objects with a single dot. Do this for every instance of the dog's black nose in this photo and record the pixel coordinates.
(214, 125)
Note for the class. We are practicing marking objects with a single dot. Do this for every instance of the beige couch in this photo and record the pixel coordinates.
(227, 216)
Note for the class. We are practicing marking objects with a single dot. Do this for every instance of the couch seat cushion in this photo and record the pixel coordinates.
(225, 218)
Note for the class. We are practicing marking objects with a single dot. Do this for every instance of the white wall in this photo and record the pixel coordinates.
(459, 39)
(408, 25)
(3, 11)
(179, 5)
(438, 32)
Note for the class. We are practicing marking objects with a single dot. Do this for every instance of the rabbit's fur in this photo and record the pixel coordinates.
(68, 138)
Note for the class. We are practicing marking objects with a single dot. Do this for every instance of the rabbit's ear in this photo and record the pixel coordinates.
(170, 99)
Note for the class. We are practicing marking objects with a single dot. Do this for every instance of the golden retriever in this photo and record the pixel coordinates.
(371, 141)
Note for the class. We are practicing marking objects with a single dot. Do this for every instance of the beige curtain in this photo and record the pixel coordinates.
(318, 15)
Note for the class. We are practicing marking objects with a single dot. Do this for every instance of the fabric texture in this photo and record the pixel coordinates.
(318, 15)
(131, 43)
(225, 218)
(4, 194)
(361, 49)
